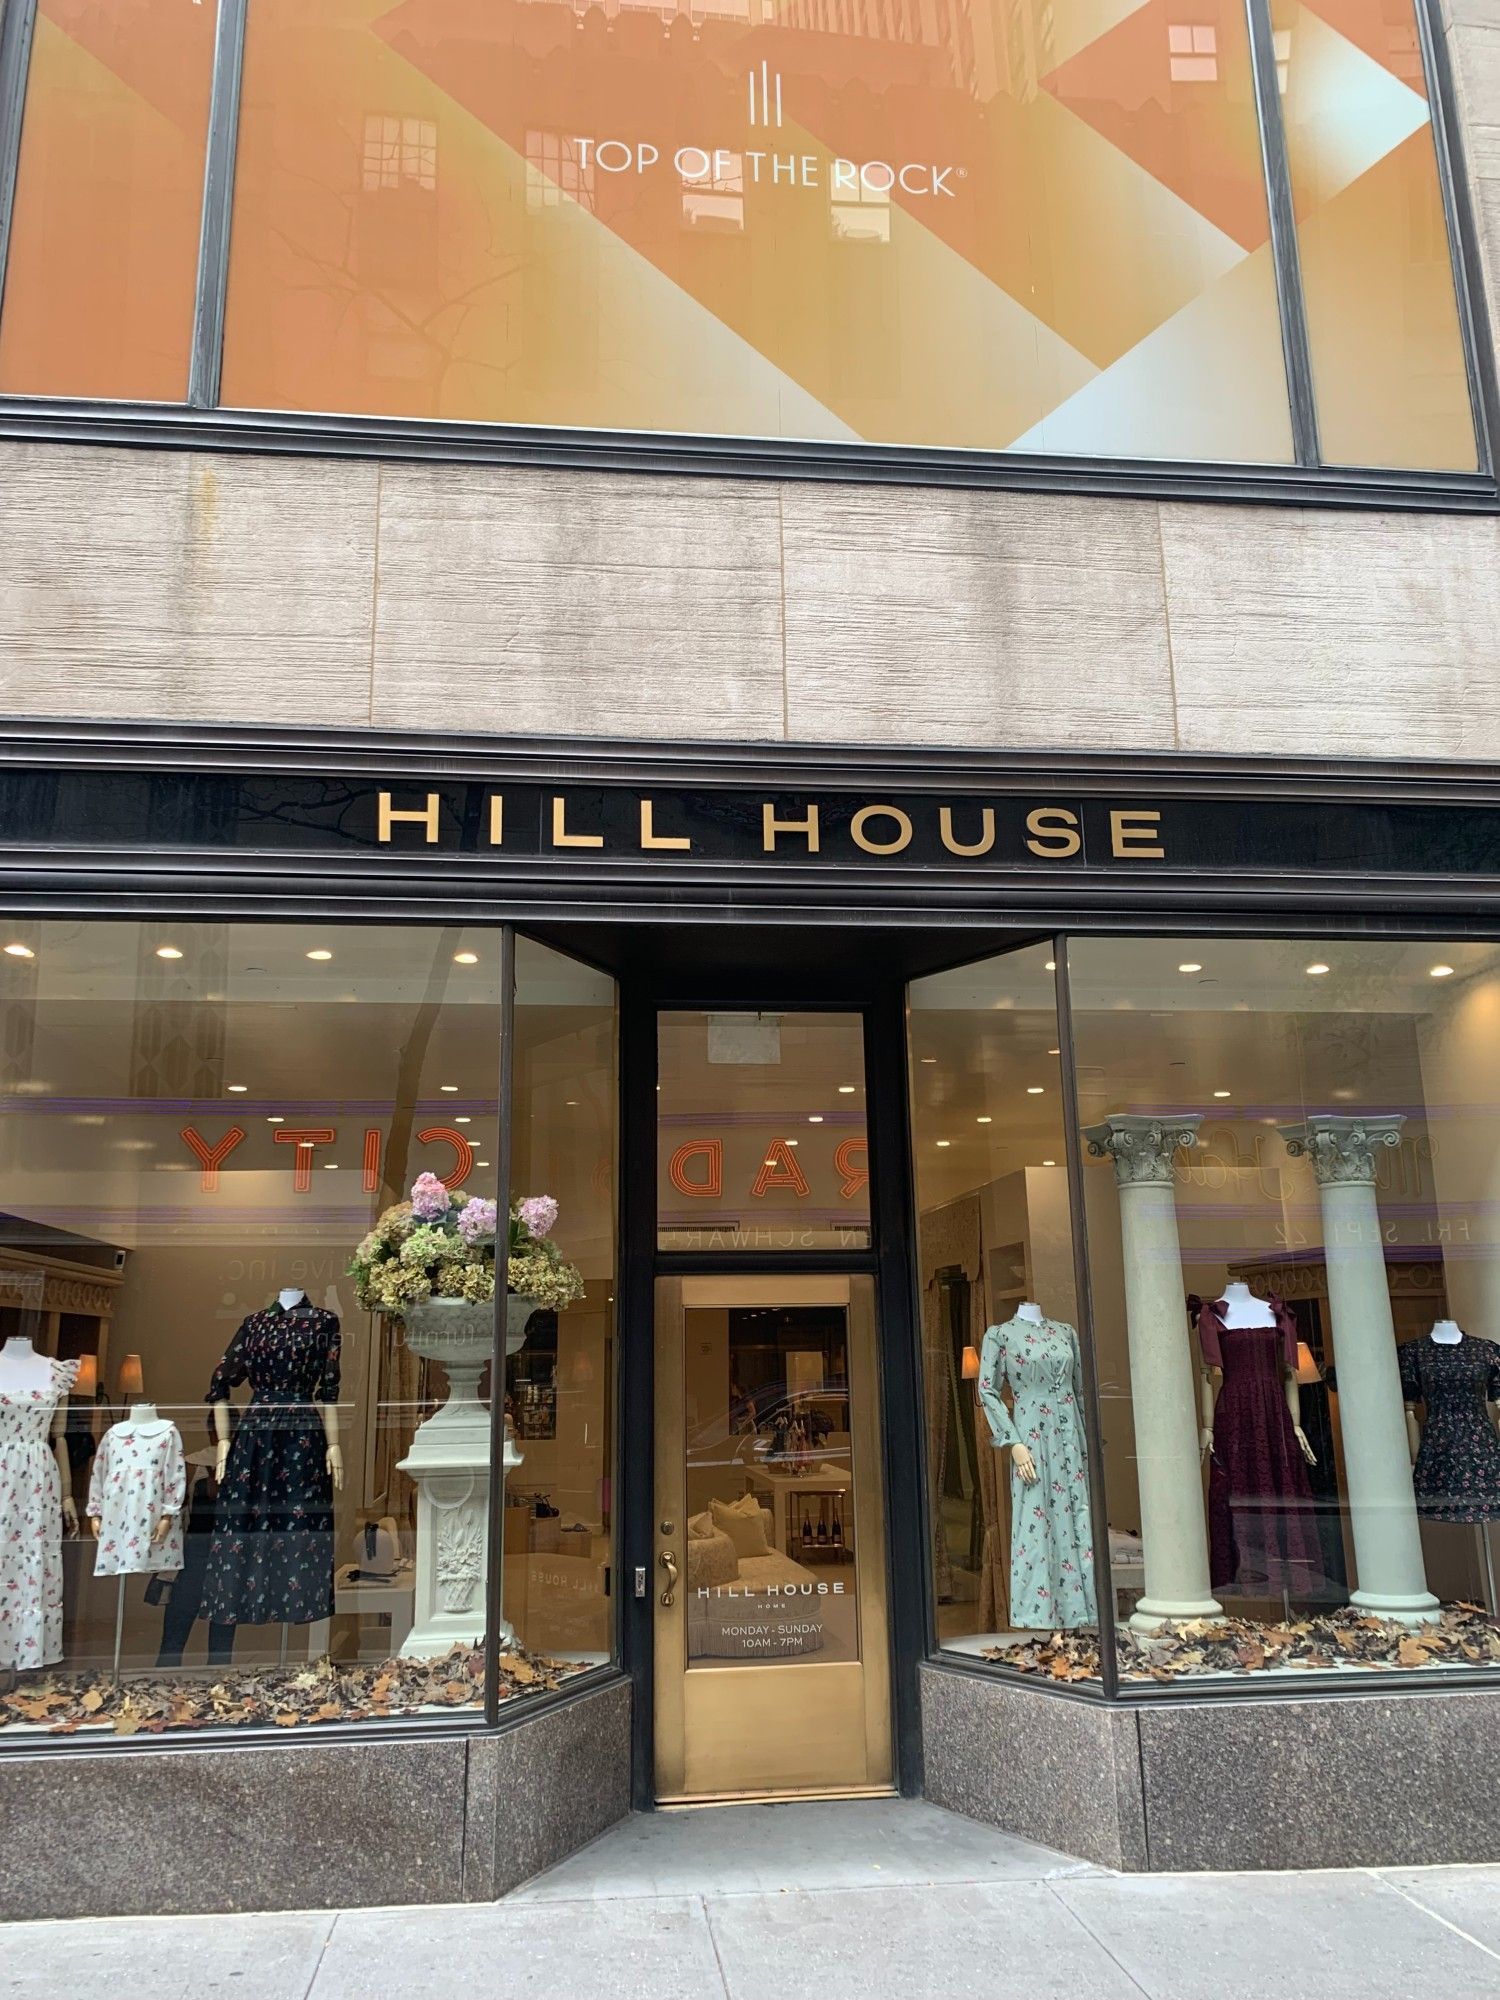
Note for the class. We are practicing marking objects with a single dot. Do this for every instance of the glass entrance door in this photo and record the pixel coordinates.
(772, 1661)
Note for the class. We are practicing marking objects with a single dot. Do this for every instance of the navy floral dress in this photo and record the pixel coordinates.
(271, 1558)
(1457, 1474)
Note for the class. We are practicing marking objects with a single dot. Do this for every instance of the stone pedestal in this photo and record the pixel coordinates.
(1377, 1459)
(1162, 1389)
(449, 1462)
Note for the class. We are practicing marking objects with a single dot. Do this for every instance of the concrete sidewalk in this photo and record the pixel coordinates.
(856, 1900)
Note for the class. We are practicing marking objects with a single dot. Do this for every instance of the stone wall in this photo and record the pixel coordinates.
(226, 587)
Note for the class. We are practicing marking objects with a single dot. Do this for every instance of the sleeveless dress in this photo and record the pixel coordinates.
(31, 1526)
(1262, 1516)
(1051, 1533)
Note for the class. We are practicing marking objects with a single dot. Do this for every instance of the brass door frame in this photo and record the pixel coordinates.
(739, 1731)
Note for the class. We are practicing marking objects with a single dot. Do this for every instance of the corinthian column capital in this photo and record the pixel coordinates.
(1142, 1146)
(1342, 1146)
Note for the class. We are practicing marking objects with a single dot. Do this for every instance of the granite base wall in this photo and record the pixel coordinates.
(1348, 1781)
(189, 1829)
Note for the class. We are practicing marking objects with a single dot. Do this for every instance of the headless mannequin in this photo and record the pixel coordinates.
(289, 1298)
(1447, 1333)
(1021, 1457)
(1243, 1308)
(140, 1413)
(25, 1372)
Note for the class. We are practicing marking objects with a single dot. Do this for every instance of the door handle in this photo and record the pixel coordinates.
(669, 1564)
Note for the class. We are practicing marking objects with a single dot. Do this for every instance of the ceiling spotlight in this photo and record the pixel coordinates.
(846, 1090)
(482, 1163)
(463, 1120)
(19, 951)
(984, 1121)
(1054, 1052)
(168, 951)
(1034, 1089)
(1440, 971)
(927, 1059)
(571, 1103)
(1050, 966)
(1317, 971)
(1223, 1093)
(466, 958)
(1049, 1163)
(945, 1142)
(791, 1142)
(1190, 965)
(322, 957)
(239, 1089)
(276, 1121)
(330, 1166)
(815, 1118)
(449, 1087)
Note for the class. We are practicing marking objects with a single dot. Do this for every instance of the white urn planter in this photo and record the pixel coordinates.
(449, 1462)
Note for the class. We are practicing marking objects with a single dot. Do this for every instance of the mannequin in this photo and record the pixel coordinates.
(35, 1503)
(270, 1560)
(1051, 1538)
(1456, 1448)
(1262, 1529)
(138, 1487)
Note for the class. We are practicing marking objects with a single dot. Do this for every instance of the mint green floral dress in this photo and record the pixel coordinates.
(1051, 1535)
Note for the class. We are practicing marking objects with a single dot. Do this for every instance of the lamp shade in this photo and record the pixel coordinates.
(1308, 1370)
(87, 1383)
(132, 1378)
(971, 1364)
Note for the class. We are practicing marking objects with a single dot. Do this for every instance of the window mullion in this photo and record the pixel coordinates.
(218, 202)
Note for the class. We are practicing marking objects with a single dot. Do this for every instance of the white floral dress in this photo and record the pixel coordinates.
(1051, 1534)
(31, 1568)
(139, 1475)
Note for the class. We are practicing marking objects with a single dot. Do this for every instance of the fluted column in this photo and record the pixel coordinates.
(1377, 1462)
(1161, 1368)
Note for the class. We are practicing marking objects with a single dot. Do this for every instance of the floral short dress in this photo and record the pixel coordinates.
(1457, 1474)
(31, 1524)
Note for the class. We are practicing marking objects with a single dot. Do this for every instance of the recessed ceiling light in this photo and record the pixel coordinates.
(792, 1142)
(449, 1087)
(1317, 971)
(466, 958)
(815, 1118)
(463, 1119)
(1054, 1052)
(571, 1103)
(1440, 972)
(482, 1163)
(846, 1090)
(1049, 1163)
(276, 1121)
(168, 951)
(322, 957)
(19, 951)
(1190, 965)
(769, 1163)
(239, 1089)
(984, 1121)
(927, 1059)
(1344, 1094)
(1222, 1093)
(1050, 966)
(945, 1142)
(1034, 1089)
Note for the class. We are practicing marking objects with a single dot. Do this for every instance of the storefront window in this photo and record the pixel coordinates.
(560, 1383)
(1007, 1453)
(1293, 1243)
(103, 256)
(247, 1176)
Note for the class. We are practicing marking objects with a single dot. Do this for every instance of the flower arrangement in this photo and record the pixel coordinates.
(432, 1247)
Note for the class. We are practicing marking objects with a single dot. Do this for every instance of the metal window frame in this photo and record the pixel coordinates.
(202, 424)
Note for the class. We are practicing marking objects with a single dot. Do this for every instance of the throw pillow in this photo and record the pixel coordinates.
(745, 1525)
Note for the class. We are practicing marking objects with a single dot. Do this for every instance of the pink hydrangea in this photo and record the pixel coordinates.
(539, 1213)
(430, 1200)
(476, 1220)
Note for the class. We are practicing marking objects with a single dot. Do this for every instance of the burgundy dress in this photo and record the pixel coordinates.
(1262, 1528)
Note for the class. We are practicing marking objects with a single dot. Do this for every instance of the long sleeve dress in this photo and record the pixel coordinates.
(271, 1557)
(1051, 1533)
(139, 1477)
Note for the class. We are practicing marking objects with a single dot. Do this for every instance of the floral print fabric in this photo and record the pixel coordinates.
(139, 1475)
(1051, 1535)
(31, 1526)
(271, 1558)
(1457, 1474)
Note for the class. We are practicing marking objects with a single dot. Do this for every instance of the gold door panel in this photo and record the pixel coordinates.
(772, 1663)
